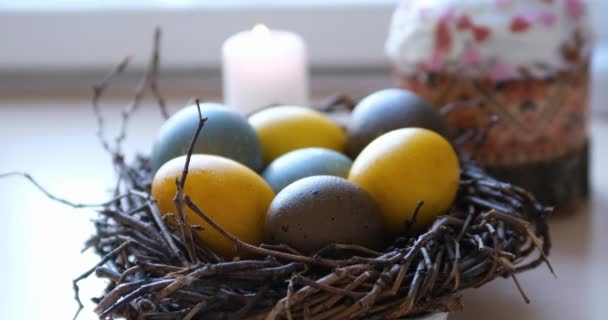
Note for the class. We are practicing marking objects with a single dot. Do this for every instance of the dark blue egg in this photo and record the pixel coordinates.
(303, 163)
(226, 133)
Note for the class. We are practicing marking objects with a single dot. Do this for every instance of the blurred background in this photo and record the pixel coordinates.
(52, 52)
(78, 40)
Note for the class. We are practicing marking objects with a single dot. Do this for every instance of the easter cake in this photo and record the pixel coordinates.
(524, 61)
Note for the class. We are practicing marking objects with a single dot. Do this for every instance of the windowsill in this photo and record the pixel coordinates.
(93, 38)
(121, 5)
(176, 86)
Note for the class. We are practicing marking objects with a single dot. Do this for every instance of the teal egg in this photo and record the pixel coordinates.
(302, 163)
(226, 133)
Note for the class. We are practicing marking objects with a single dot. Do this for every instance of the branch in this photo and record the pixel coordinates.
(149, 81)
(178, 200)
(66, 202)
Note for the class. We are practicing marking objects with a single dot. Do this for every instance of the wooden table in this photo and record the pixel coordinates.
(54, 140)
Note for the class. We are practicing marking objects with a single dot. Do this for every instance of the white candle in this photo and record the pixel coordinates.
(263, 67)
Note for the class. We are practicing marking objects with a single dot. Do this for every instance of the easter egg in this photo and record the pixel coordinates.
(226, 133)
(317, 211)
(303, 163)
(405, 166)
(387, 110)
(287, 128)
(214, 183)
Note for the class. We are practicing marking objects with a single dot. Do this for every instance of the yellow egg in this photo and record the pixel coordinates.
(287, 128)
(234, 196)
(403, 167)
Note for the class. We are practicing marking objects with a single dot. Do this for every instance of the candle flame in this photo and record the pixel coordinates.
(260, 28)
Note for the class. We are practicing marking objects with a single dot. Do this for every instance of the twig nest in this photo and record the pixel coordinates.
(403, 167)
(315, 212)
(156, 269)
(227, 134)
(234, 196)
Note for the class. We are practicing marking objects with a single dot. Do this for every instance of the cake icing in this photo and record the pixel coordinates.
(500, 38)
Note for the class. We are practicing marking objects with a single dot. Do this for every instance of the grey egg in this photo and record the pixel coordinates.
(317, 211)
(387, 110)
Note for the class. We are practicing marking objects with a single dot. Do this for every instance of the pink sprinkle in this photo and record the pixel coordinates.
(447, 15)
(548, 19)
(520, 23)
(464, 22)
(503, 3)
(471, 56)
(575, 8)
(443, 38)
(500, 71)
(481, 33)
(424, 12)
(435, 63)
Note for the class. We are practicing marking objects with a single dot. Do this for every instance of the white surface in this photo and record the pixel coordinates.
(261, 67)
(40, 240)
(599, 78)
(433, 316)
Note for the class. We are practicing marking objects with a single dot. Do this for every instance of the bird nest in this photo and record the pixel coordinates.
(159, 270)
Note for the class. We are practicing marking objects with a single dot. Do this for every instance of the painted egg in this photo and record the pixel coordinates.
(303, 163)
(287, 128)
(314, 212)
(213, 184)
(405, 166)
(387, 110)
(226, 133)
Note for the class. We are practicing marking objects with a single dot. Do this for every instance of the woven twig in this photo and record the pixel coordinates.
(493, 230)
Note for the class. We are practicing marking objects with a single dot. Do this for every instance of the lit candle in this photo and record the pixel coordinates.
(263, 67)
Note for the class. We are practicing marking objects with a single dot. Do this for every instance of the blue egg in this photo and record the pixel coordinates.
(302, 163)
(226, 133)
